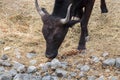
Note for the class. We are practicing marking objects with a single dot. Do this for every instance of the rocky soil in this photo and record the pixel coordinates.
(61, 70)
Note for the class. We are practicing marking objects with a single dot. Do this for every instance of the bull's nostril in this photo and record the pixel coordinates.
(51, 56)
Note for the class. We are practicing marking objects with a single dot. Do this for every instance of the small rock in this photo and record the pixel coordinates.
(81, 74)
(107, 70)
(64, 65)
(26, 77)
(5, 76)
(85, 68)
(109, 62)
(69, 78)
(117, 71)
(79, 66)
(105, 54)
(17, 53)
(95, 59)
(61, 72)
(54, 78)
(2, 41)
(16, 65)
(13, 72)
(35, 78)
(19, 67)
(73, 74)
(91, 77)
(118, 62)
(5, 63)
(55, 63)
(7, 48)
(101, 78)
(113, 78)
(30, 55)
(4, 57)
(48, 77)
(44, 67)
(31, 69)
(22, 77)
(32, 62)
(2, 69)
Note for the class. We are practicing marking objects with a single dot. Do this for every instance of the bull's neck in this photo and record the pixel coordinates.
(60, 8)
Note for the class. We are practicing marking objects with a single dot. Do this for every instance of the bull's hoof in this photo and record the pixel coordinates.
(104, 11)
(82, 51)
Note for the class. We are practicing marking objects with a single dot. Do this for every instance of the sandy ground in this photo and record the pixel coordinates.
(20, 29)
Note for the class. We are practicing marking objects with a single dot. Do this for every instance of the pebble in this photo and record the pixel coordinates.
(105, 54)
(31, 69)
(26, 77)
(79, 66)
(5, 76)
(64, 65)
(95, 59)
(73, 74)
(44, 67)
(91, 77)
(113, 78)
(13, 72)
(55, 63)
(36, 77)
(17, 53)
(30, 55)
(55, 78)
(19, 67)
(48, 77)
(7, 48)
(101, 78)
(4, 57)
(118, 62)
(33, 62)
(81, 74)
(2, 69)
(85, 68)
(2, 41)
(107, 70)
(5, 63)
(61, 72)
(21, 77)
(109, 62)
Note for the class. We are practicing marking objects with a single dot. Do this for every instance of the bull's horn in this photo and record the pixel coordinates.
(66, 19)
(39, 10)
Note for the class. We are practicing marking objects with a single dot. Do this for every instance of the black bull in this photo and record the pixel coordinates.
(56, 25)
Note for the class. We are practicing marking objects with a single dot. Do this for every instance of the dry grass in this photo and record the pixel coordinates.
(20, 28)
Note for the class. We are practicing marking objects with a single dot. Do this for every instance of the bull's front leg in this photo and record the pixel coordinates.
(84, 24)
(103, 7)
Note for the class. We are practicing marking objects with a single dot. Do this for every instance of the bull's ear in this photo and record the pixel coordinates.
(71, 23)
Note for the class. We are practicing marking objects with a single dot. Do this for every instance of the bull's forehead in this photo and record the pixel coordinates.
(51, 18)
(51, 22)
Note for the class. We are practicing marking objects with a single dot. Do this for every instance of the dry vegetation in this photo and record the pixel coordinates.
(20, 28)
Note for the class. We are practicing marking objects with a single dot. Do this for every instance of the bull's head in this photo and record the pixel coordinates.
(54, 30)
